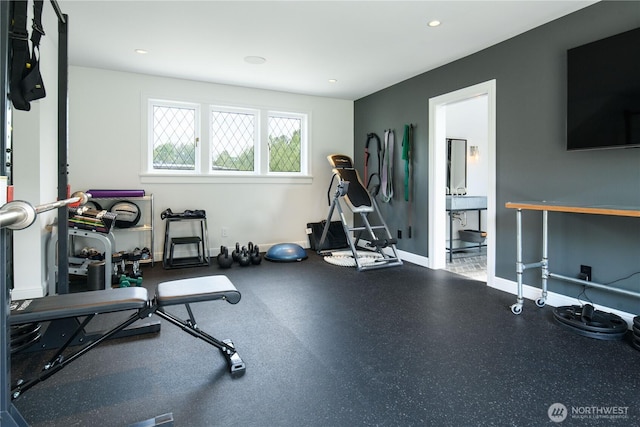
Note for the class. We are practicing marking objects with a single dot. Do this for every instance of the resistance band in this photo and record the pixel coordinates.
(387, 166)
(368, 178)
(407, 142)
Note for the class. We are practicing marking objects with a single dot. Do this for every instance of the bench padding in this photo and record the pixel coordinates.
(88, 304)
(357, 196)
(196, 289)
(77, 305)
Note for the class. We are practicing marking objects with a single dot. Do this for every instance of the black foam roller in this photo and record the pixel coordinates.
(95, 276)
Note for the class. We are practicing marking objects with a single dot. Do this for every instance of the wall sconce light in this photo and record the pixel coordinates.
(473, 151)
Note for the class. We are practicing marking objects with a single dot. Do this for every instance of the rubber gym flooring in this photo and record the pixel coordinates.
(329, 346)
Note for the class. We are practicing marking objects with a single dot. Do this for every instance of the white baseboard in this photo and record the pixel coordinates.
(29, 293)
(413, 258)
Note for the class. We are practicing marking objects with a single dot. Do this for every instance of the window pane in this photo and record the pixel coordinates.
(174, 138)
(232, 141)
(284, 144)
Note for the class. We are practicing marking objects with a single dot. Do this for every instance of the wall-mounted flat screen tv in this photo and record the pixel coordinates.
(603, 93)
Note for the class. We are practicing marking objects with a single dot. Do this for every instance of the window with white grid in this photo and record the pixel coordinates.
(240, 142)
(174, 130)
(285, 143)
(233, 137)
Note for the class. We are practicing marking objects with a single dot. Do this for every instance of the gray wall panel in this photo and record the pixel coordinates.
(532, 163)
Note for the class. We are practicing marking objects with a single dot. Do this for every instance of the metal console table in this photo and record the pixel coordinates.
(478, 245)
(464, 204)
(546, 207)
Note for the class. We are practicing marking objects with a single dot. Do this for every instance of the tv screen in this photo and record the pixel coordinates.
(603, 93)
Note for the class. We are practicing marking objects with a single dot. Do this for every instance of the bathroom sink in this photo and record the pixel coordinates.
(466, 202)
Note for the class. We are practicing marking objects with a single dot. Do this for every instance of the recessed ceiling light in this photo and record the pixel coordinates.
(434, 23)
(141, 51)
(255, 60)
(333, 81)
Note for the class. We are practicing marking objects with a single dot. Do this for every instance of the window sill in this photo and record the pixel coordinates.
(155, 178)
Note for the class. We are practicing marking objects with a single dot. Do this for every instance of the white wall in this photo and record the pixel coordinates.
(468, 120)
(35, 134)
(107, 135)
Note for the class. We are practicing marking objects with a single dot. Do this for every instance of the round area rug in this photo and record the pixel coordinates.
(346, 259)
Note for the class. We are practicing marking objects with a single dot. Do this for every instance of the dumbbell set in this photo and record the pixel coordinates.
(121, 276)
(244, 256)
(90, 253)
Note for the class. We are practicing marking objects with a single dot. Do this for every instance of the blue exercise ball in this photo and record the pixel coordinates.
(286, 252)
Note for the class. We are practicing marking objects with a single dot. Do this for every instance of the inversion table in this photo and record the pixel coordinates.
(359, 200)
(87, 305)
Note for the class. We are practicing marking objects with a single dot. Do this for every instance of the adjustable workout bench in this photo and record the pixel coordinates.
(359, 200)
(89, 304)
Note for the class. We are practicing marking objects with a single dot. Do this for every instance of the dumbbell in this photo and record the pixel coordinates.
(127, 282)
(116, 258)
(135, 258)
(166, 213)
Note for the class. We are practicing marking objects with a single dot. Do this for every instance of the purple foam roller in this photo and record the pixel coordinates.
(115, 193)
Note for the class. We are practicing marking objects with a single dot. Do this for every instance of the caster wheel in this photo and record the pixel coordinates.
(516, 309)
(540, 302)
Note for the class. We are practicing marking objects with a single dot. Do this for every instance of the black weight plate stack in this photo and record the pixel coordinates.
(635, 338)
(586, 321)
(22, 336)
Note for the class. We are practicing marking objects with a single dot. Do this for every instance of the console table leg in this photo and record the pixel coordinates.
(540, 302)
(517, 307)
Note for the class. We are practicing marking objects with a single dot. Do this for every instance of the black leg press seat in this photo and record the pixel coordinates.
(87, 305)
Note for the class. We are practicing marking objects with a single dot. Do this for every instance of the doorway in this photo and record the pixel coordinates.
(437, 173)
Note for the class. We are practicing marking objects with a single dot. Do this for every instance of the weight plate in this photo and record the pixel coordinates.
(636, 331)
(636, 321)
(25, 344)
(601, 322)
(26, 328)
(18, 341)
(608, 336)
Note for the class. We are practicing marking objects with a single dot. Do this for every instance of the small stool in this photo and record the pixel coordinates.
(192, 240)
(201, 240)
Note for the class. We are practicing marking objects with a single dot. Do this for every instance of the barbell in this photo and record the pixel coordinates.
(19, 214)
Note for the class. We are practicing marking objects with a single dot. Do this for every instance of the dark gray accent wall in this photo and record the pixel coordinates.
(531, 160)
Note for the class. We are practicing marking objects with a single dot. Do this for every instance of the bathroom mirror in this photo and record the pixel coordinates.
(456, 166)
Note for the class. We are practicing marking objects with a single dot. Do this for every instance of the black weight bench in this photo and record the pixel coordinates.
(87, 305)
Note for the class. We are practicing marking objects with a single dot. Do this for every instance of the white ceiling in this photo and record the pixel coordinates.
(365, 45)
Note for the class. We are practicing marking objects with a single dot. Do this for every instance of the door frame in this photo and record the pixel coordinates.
(437, 173)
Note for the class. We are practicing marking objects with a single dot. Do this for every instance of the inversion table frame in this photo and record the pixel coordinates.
(543, 264)
(88, 304)
(351, 190)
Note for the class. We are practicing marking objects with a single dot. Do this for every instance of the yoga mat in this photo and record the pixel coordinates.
(115, 193)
